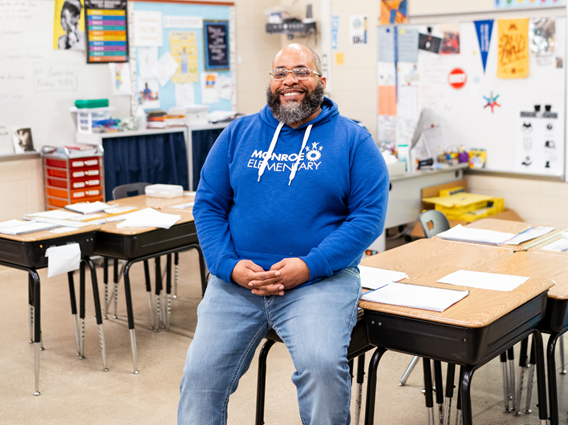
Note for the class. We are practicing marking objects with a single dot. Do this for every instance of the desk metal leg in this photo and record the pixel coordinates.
(74, 310)
(130, 314)
(359, 392)
(372, 386)
(511, 384)
(459, 416)
(552, 388)
(168, 290)
(149, 292)
(158, 291)
(105, 280)
(522, 367)
(82, 309)
(176, 265)
(540, 377)
(450, 377)
(428, 390)
(37, 324)
(439, 391)
(504, 370)
(31, 304)
(561, 340)
(115, 280)
(261, 382)
(532, 362)
(408, 371)
(98, 313)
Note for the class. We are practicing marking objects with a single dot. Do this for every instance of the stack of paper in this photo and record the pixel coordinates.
(559, 245)
(148, 217)
(20, 227)
(468, 234)
(481, 280)
(88, 207)
(374, 278)
(415, 296)
(56, 215)
(531, 233)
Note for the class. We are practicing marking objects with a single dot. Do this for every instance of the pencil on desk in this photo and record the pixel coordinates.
(547, 239)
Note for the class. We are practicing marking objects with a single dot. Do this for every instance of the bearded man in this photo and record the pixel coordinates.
(288, 201)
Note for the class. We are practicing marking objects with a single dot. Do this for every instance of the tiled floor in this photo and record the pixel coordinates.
(78, 391)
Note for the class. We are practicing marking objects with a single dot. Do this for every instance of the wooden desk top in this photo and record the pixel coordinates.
(427, 260)
(163, 205)
(47, 234)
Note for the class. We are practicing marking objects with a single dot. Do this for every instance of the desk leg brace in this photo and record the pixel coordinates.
(372, 386)
(74, 310)
(522, 367)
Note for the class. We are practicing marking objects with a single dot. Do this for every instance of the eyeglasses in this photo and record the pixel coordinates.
(299, 74)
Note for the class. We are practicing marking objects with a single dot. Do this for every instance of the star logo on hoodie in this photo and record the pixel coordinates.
(314, 153)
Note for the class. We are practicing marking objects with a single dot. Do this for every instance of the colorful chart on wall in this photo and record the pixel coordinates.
(516, 4)
(107, 31)
(519, 121)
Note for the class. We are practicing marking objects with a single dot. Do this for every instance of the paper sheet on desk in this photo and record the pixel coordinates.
(482, 280)
(374, 278)
(415, 296)
(20, 227)
(148, 217)
(63, 259)
(57, 215)
(468, 234)
(559, 245)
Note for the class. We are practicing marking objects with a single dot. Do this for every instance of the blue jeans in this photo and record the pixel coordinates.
(315, 323)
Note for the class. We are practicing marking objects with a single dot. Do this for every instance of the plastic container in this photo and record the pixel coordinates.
(163, 191)
(86, 116)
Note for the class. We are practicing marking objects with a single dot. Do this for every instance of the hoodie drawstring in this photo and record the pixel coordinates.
(297, 163)
(270, 151)
(264, 163)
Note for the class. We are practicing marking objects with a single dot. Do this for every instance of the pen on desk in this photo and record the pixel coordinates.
(526, 229)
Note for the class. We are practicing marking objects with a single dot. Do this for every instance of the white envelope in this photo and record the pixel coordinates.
(63, 259)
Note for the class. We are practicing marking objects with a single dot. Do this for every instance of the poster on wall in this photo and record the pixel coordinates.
(148, 93)
(120, 77)
(513, 48)
(450, 44)
(183, 48)
(357, 30)
(148, 29)
(216, 45)
(512, 4)
(539, 142)
(107, 31)
(68, 25)
(393, 12)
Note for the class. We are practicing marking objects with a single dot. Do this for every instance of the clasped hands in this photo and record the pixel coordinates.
(284, 275)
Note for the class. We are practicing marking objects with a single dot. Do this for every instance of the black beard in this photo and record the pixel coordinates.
(297, 111)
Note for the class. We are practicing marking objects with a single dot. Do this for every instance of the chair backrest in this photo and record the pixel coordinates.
(127, 190)
(439, 222)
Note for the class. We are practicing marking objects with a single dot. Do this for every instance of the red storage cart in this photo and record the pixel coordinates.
(72, 174)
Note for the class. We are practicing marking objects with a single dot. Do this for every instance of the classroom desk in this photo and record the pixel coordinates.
(547, 264)
(470, 333)
(136, 244)
(27, 253)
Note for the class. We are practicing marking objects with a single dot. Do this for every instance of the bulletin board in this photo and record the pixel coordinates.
(519, 122)
(183, 36)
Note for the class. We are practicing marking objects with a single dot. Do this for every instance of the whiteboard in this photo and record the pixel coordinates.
(38, 85)
(463, 116)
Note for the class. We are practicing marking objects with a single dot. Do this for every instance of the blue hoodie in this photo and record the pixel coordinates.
(268, 192)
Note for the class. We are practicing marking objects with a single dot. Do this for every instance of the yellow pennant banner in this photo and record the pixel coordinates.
(513, 50)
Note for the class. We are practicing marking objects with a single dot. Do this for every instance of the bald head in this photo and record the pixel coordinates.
(312, 59)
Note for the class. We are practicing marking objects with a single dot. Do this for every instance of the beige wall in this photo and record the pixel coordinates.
(21, 188)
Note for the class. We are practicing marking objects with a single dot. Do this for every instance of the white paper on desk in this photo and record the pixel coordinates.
(482, 280)
(63, 230)
(184, 206)
(68, 223)
(189, 193)
(374, 278)
(63, 259)
(559, 245)
(88, 207)
(57, 215)
(468, 234)
(20, 227)
(533, 232)
(149, 217)
(415, 296)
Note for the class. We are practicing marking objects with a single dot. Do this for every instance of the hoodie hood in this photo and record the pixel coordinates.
(329, 110)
